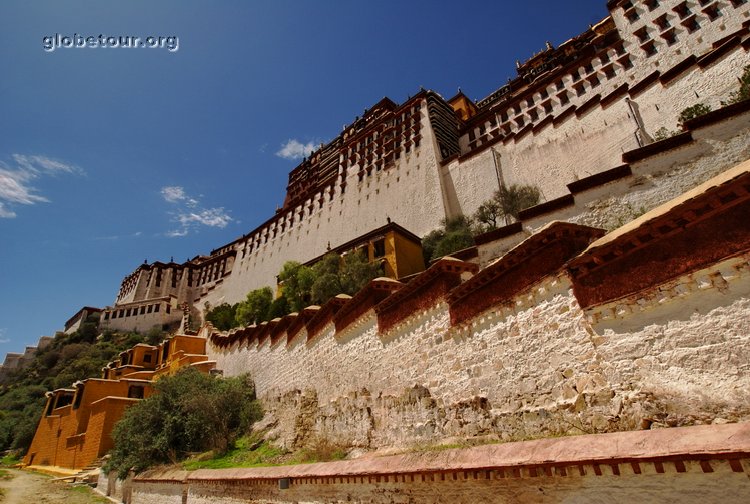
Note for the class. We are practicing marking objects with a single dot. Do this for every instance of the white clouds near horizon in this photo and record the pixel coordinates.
(16, 180)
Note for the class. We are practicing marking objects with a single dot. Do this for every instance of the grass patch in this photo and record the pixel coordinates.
(10, 460)
(86, 490)
(5, 475)
(321, 450)
(248, 451)
(254, 451)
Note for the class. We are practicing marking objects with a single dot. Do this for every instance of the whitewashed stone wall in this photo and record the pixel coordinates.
(409, 194)
(579, 147)
(540, 368)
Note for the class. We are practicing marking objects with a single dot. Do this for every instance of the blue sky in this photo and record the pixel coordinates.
(113, 156)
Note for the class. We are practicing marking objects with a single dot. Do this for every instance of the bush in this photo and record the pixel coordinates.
(223, 317)
(692, 112)
(254, 309)
(743, 93)
(189, 412)
(455, 234)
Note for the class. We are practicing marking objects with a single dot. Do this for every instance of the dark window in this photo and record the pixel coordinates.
(652, 4)
(79, 396)
(642, 34)
(691, 24)
(135, 392)
(650, 49)
(156, 308)
(670, 37)
(662, 22)
(378, 248)
(147, 358)
(712, 12)
(683, 10)
(632, 15)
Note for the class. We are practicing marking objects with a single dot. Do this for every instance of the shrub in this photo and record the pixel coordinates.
(254, 309)
(743, 93)
(455, 234)
(692, 112)
(189, 412)
(223, 317)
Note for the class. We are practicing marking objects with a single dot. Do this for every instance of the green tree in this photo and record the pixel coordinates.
(188, 412)
(488, 215)
(692, 112)
(279, 307)
(254, 309)
(743, 93)
(455, 234)
(296, 283)
(515, 198)
(70, 357)
(223, 317)
(334, 275)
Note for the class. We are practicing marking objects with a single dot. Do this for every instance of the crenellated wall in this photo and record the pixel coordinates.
(569, 332)
(572, 114)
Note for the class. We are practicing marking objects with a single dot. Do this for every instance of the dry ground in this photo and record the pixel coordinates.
(24, 487)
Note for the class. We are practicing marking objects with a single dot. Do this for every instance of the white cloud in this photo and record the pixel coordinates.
(176, 194)
(294, 149)
(16, 180)
(212, 217)
(190, 214)
(5, 213)
(118, 237)
(2, 338)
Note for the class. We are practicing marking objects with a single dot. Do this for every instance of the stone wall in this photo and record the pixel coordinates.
(582, 144)
(691, 465)
(538, 368)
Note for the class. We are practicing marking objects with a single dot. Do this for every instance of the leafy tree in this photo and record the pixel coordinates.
(455, 234)
(254, 309)
(743, 93)
(296, 280)
(223, 317)
(515, 198)
(692, 112)
(334, 275)
(488, 215)
(188, 412)
(279, 307)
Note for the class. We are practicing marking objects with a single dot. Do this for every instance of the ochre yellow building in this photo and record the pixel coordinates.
(76, 427)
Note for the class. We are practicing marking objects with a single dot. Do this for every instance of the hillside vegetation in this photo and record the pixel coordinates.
(69, 358)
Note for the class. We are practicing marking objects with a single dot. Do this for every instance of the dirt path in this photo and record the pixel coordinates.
(33, 488)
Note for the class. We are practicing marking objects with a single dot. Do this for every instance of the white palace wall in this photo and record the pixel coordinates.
(541, 367)
(582, 146)
(410, 193)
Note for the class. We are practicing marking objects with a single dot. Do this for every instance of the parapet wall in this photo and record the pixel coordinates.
(519, 349)
(689, 465)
